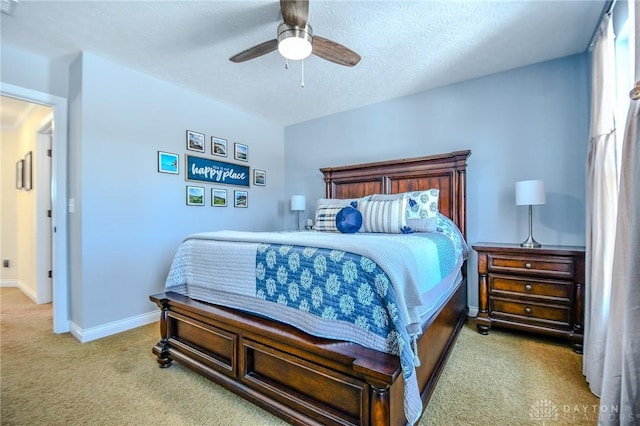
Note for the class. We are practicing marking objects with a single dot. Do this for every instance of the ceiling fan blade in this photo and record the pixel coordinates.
(334, 52)
(255, 51)
(295, 12)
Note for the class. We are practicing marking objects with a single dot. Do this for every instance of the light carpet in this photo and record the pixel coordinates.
(505, 378)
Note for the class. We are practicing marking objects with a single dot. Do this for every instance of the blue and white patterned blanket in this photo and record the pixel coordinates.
(370, 289)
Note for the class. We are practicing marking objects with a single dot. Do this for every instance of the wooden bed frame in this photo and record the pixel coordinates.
(308, 380)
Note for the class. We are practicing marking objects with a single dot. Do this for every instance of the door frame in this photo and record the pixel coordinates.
(59, 185)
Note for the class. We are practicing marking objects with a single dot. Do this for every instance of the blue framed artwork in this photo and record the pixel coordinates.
(168, 162)
(201, 169)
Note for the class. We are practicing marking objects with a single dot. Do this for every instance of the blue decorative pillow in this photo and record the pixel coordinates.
(349, 220)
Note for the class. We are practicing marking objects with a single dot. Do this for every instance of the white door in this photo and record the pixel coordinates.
(42, 186)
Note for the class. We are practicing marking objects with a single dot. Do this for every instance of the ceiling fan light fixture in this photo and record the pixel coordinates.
(294, 43)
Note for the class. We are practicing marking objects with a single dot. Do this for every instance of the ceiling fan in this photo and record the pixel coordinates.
(296, 41)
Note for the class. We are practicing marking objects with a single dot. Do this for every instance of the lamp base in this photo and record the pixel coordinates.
(530, 243)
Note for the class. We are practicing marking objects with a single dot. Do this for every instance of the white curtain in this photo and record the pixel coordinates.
(601, 205)
(620, 397)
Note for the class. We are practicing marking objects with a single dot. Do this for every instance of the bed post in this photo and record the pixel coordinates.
(380, 404)
(161, 349)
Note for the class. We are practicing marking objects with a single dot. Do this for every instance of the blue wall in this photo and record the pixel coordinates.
(129, 219)
(526, 123)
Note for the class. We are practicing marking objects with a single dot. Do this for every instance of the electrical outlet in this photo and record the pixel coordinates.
(5, 263)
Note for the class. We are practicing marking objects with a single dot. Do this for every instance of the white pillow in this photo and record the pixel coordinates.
(388, 216)
(422, 208)
(422, 213)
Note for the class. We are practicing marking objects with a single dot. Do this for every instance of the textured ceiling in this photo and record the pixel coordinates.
(406, 46)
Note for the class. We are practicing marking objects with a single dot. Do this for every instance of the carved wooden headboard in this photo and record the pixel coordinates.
(447, 172)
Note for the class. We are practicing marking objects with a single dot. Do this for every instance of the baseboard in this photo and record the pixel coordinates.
(94, 333)
(9, 283)
(473, 311)
(29, 292)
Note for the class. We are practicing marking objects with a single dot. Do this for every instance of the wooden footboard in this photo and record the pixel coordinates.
(298, 377)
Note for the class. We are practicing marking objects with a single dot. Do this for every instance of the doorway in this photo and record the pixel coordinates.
(56, 192)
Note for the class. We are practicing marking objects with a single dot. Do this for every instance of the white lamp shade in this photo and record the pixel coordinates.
(295, 48)
(530, 192)
(298, 202)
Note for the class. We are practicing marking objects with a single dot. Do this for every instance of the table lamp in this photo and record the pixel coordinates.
(298, 203)
(530, 193)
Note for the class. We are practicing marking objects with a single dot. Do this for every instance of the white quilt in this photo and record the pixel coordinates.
(220, 267)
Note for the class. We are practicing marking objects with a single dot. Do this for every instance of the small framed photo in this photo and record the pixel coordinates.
(195, 196)
(240, 198)
(19, 173)
(195, 141)
(218, 197)
(241, 152)
(259, 177)
(168, 162)
(27, 182)
(218, 146)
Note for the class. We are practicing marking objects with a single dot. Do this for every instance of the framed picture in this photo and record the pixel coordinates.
(218, 146)
(168, 162)
(241, 152)
(195, 196)
(208, 170)
(240, 198)
(195, 141)
(27, 173)
(259, 177)
(218, 197)
(19, 173)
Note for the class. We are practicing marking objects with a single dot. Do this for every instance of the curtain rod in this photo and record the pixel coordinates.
(608, 9)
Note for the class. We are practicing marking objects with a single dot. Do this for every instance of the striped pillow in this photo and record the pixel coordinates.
(388, 216)
(422, 208)
(326, 218)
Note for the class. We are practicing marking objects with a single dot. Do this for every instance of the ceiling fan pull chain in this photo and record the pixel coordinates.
(286, 63)
(302, 83)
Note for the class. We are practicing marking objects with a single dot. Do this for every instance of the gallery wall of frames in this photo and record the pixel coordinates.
(221, 166)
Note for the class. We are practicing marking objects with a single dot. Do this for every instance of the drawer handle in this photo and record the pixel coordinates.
(527, 310)
(528, 287)
(527, 265)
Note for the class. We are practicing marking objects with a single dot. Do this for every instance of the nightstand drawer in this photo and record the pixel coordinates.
(561, 267)
(510, 309)
(555, 291)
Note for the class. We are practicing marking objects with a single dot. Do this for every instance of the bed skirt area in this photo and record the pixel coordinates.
(300, 378)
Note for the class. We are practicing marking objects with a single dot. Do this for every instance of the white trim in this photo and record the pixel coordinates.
(29, 292)
(112, 328)
(473, 311)
(60, 247)
(9, 283)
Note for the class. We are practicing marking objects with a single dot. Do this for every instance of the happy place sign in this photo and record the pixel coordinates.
(211, 171)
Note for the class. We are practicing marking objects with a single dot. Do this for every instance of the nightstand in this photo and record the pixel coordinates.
(532, 289)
